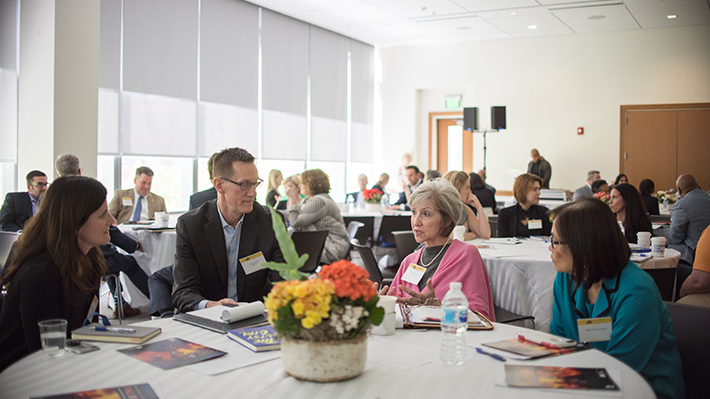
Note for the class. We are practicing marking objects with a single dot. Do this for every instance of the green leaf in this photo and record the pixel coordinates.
(376, 316)
(289, 270)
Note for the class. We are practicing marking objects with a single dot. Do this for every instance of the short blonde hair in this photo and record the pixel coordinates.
(444, 197)
(295, 180)
(316, 180)
(523, 184)
(457, 178)
(273, 174)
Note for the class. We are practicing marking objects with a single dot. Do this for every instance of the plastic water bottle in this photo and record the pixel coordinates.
(454, 325)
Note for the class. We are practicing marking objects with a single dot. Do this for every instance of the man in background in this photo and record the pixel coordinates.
(586, 190)
(689, 217)
(357, 196)
(540, 167)
(67, 165)
(137, 203)
(20, 206)
(482, 174)
(414, 180)
(200, 197)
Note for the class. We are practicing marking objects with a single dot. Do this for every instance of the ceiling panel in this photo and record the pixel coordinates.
(597, 19)
(655, 15)
(518, 26)
(421, 8)
(487, 5)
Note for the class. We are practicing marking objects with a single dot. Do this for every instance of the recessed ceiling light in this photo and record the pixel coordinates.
(596, 17)
(672, 16)
(513, 13)
(463, 28)
(532, 26)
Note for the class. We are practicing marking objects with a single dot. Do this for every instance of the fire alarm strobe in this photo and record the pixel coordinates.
(580, 130)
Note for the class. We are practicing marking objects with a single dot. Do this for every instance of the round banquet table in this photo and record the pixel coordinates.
(403, 365)
(522, 276)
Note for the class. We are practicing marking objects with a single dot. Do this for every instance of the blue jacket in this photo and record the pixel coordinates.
(642, 332)
(689, 217)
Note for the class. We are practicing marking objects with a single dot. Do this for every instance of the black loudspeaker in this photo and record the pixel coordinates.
(470, 119)
(497, 118)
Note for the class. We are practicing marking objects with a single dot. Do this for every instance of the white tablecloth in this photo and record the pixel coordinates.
(522, 276)
(36, 375)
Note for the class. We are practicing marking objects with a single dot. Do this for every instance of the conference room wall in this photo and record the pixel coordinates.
(551, 86)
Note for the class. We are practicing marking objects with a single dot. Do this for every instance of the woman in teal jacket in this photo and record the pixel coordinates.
(596, 280)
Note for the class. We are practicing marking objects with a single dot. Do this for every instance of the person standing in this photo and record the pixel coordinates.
(540, 167)
(20, 206)
(137, 203)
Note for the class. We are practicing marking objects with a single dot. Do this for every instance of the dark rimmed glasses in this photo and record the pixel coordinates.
(246, 185)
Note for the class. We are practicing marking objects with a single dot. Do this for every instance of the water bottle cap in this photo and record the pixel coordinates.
(455, 285)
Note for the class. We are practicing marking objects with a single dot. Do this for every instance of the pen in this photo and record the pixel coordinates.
(114, 329)
(493, 355)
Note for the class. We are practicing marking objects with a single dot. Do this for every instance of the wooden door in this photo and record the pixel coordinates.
(651, 147)
(441, 135)
(694, 145)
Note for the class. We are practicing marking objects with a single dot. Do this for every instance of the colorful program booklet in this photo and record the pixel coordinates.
(142, 391)
(530, 350)
(171, 353)
(258, 339)
(558, 377)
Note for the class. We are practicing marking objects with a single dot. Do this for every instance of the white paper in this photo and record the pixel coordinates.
(241, 312)
(237, 357)
(396, 355)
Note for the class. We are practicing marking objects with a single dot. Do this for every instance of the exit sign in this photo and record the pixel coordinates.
(453, 102)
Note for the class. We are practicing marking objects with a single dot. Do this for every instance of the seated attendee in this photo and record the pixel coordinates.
(137, 203)
(213, 238)
(357, 197)
(275, 179)
(600, 186)
(200, 197)
(690, 216)
(57, 265)
(21, 206)
(290, 184)
(432, 174)
(436, 206)
(620, 179)
(647, 190)
(484, 195)
(380, 185)
(482, 174)
(586, 190)
(625, 202)
(597, 280)
(160, 285)
(319, 212)
(526, 218)
(476, 226)
(696, 288)
(118, 262)
(414, 180)
(67, 165)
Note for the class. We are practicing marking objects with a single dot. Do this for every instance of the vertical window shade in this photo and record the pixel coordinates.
(8, 81)
(109, 71)
(160, 77)
(284, 44)
(362, 59)
(229, 52)
(329, 74)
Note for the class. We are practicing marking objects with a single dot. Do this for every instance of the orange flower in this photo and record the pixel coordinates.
(350, 280)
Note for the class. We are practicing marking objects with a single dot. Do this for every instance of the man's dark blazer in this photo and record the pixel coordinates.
(200, 270)
(15, 211)
(200, 197)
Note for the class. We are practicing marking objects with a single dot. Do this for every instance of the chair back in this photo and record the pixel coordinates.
(366, 232)
(7, 238)
(406, 244)
(368, 258)
(691, 325)
(661, 218)
(353, 228)
(493, 222)
(311, 243)
(392, 223)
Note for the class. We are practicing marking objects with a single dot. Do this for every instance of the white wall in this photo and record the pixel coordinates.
(551, 86)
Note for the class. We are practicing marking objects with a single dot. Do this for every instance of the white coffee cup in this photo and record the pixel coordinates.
(459, 232)
(387, 303)
(644, 239)
(162, 219)
(658, 247)
(387, 327)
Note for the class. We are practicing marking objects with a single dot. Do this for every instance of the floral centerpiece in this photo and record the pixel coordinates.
(322, 322)
(604, 197)
(662, 196)
(372, 196)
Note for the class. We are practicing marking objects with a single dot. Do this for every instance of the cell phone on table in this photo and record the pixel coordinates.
(79, 347)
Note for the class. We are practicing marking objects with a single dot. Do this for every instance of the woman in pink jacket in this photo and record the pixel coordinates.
(424, 275)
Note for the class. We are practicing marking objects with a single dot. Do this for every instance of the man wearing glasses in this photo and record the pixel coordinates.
(139, 203)
(21, 206)
(214, 241)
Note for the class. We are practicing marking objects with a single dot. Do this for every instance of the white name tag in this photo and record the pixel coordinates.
(414, 274)
(127, 201)
(594, 330)
(252, 262)
(534, 224)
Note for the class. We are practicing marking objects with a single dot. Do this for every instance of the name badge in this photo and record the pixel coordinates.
(594, 330)
(92, 307)
(534, 224)
(127, 201)
(414, 274)
(252, 262)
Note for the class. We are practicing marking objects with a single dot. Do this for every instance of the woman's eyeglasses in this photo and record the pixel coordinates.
(553, 242)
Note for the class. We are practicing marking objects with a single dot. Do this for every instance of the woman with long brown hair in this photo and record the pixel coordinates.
(57, 265)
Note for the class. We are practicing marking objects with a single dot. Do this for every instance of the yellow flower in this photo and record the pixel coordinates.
(298, 308)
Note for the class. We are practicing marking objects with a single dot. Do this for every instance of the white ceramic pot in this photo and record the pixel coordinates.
(372, 207)
(324, 361)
